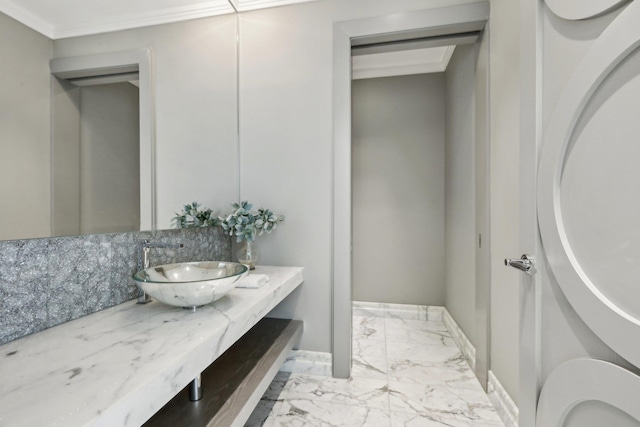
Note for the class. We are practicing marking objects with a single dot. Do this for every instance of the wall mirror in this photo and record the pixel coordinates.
(102, 140)
(53, 182)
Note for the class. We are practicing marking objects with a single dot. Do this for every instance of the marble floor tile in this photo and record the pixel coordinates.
(365, 392)
(367, 348)
(366, 327)
(270, 404)
(406, 371)
(451, 373)
(421, 352)
(420, 337)
(406, 311)
(427, 400)
(307, 413)
(369, 367)
(419, 325)
(404, 419)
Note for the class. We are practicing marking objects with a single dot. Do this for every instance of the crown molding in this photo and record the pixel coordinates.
(99, 23)
(32, 21)
(397, 70)
(156, 17)
(247, 5)
(393, 68)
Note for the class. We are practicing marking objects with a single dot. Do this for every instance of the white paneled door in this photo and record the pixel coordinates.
(580, 329)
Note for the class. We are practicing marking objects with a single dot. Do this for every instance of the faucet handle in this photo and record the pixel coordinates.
(142, 250)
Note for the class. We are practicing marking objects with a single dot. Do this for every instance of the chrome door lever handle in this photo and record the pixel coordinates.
(525, 263)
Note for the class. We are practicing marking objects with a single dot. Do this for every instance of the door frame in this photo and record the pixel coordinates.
(530, 346)
(443, 20)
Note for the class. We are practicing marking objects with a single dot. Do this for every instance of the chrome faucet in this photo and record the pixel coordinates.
(144, 262)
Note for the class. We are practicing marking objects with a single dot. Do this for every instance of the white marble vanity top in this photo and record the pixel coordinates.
(119, 366)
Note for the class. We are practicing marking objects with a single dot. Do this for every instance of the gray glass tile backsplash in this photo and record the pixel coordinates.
(45, 282)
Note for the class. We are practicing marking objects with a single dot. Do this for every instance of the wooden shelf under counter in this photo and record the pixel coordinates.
(234, 383)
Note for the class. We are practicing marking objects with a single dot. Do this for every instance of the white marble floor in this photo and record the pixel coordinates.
(405, 373)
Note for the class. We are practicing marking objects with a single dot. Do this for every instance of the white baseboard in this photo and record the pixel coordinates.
(308, 362)
(400, 311)
(505, 406)
(466, 347)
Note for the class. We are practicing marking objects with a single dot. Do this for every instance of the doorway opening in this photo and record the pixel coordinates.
(432, 28)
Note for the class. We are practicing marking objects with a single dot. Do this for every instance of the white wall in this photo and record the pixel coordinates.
(460, 188)
(194, 65)
(398, 189)
(24, 163)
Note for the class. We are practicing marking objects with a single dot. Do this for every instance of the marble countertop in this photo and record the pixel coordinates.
(119, 366)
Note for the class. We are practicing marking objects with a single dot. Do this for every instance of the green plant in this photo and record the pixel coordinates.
(193, 216)
(246, 222)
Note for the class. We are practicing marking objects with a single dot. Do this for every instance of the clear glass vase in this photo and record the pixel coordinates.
(248, 254)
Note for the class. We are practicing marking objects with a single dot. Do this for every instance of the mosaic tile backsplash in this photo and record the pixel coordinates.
(45, 282)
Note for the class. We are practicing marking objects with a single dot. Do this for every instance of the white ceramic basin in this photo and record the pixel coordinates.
(190, 284)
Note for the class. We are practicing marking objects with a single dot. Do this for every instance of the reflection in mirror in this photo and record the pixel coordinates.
(24, 131)
(77, 137)
(191, 105)
(95, 158)
(102, 143)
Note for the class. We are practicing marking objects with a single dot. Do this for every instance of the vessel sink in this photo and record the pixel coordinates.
(190, 284)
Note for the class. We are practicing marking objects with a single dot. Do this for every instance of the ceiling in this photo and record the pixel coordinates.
(58, 19)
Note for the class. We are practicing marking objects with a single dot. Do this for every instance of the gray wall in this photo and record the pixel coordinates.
(398, 183)
(110, 158)
(460, 188)
(24, 131)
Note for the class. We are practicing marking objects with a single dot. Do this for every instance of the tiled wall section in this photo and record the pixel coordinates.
(45, 282)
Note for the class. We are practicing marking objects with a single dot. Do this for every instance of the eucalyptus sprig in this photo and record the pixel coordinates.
(246, 222)
(193, 216)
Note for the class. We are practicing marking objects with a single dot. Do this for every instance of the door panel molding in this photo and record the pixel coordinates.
(611, 323)
(586, 380)
(577, 10)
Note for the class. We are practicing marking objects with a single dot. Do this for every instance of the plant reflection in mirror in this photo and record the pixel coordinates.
(194, 216)
(246, 222)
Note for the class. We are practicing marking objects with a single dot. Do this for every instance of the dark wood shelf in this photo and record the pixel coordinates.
(234, 383)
